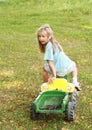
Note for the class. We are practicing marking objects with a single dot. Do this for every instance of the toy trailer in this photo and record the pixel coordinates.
(53, 99)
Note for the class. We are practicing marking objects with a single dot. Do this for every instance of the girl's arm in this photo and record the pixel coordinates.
(52, 69)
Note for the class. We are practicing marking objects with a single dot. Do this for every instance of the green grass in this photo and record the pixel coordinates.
(21, 62)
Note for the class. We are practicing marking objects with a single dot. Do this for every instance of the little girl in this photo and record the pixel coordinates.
(58, 63)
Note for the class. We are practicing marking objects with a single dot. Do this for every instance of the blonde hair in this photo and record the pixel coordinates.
(49, 31)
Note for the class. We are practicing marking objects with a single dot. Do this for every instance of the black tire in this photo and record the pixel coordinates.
(69, 112)
(33, 114)
(73, 98)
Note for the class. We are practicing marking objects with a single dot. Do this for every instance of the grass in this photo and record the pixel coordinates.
(21, 61)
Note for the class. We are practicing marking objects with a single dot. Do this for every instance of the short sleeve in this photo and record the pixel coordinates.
(48, 52)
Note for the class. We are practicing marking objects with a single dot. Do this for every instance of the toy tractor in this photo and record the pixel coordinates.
(58, 97)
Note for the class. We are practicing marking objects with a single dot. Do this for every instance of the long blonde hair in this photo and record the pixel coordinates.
(49, 31)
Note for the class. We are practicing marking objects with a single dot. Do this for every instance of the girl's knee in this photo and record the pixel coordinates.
(44, 71)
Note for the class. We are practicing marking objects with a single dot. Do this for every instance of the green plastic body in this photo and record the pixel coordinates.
(51, 102)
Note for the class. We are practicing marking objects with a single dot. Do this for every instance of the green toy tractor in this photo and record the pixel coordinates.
(58, 97)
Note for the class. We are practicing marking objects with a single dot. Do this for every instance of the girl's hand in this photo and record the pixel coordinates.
(50, 80)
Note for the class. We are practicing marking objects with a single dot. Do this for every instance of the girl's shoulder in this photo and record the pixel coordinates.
(49, 44)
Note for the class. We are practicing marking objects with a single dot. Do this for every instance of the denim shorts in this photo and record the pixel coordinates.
(66, 71)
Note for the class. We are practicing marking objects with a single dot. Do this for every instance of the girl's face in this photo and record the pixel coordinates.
(43, 37)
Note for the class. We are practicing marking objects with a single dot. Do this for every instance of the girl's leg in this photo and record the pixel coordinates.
(74, 75)
(74, 78)
(45, 75)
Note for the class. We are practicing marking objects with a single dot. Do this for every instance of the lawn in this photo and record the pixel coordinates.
(21, 61)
